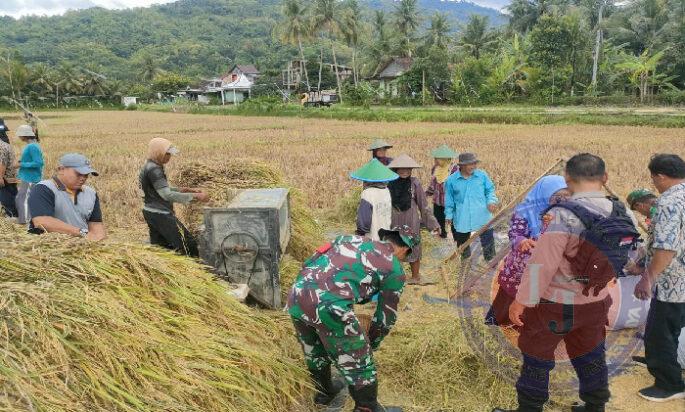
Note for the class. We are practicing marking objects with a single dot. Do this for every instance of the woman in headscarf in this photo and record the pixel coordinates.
(379, 150)
(375, 207)
(159, 198)
(30, 170)
(442, 169)
(527, 224)
(410, 207)
(8, 174)
(3, 131)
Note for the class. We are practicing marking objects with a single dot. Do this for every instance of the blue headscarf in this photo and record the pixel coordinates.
(537, 200)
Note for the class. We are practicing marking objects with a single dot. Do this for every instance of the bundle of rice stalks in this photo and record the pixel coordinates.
(345, 211)
(120, 327)
(425, 364)
(307, 234)
(289, 268)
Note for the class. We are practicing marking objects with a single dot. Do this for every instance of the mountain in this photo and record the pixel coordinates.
(194, 37)
(458, 10)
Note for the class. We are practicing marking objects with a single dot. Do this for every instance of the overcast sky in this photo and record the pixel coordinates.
(17, 8)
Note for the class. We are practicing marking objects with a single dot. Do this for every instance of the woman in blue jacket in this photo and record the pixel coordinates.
(30, 170)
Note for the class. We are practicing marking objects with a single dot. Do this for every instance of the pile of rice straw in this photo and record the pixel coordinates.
(425, 364)
(122, 327)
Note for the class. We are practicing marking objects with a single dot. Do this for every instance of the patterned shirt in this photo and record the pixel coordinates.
(669, 234)
(351, 270)
(7, 160)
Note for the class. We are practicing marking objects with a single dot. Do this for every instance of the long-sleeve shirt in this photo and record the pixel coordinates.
(467, 200)
(351, 271)
(548, 274)
(437, 190)
(31, 167)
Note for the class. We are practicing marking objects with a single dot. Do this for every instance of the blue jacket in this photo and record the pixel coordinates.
(31, 166)
(467, 200)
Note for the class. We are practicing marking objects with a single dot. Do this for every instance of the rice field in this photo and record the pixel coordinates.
(315, 156)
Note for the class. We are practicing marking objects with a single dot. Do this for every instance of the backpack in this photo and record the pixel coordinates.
(603, 246)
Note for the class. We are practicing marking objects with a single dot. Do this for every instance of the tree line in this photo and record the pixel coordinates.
(551, 51)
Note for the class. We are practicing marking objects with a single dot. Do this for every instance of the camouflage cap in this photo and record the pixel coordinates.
(408, 236)
(637, 195)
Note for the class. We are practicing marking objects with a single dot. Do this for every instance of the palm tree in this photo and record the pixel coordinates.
(326, 20)
(476, 37)
(42, 78)
(297, 27)
(407, 21)
(93, 83)
(525, 13)
(148, 68)
(438, 32)
(379, 50)
(68, 81)
(352, 20)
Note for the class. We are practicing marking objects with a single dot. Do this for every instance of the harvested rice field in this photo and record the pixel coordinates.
(59, 356)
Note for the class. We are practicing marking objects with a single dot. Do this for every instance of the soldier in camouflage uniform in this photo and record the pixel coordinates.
(348, 271)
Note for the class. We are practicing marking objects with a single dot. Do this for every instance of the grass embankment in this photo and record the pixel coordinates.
(534, 115)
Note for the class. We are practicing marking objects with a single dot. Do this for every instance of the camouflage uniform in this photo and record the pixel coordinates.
(348, 271)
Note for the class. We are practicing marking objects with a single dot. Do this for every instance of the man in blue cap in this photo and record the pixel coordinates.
(63, 204)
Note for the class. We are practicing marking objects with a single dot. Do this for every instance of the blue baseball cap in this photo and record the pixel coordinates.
(78, 162)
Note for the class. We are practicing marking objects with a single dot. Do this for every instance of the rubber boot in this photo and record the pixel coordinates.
(366, 400)
(588, 407)
(325, 386)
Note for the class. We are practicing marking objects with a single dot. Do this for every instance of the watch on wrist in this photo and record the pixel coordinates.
(83, 232)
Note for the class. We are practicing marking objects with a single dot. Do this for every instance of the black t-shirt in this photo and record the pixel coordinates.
(41, 202)
(152, 178)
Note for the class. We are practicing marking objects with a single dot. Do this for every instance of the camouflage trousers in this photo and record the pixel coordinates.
(338, 338)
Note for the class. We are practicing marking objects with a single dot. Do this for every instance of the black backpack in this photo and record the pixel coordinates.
(603, 246)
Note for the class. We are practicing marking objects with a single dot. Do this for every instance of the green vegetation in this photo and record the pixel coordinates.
(510, 114)
(550, 52)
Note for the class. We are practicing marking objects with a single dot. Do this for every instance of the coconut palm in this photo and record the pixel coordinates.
(525, 13)
(296, 28)
(93, 83)
(438, 31)
(351, 27)
(42, 79)
(380, 49)
(477, 37)
(148, 68)
(407, 21)
(326, 20)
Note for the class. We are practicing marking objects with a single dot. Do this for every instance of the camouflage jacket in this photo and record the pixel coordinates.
(350, 271)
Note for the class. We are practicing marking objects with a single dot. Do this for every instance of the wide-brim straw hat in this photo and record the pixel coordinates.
(374, 171)
(444, 152)
(379, 144)
(404, 162)
(468, 159)
(25, 131)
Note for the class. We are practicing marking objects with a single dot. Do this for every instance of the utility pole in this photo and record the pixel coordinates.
(598, 46)
(423, 87)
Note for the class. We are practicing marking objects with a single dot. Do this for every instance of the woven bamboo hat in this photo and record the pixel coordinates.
(404, 162)
(374, 171)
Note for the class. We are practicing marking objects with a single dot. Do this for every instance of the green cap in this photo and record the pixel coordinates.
(379, 144)
(637, 195)
(374, 171)
(444, 152)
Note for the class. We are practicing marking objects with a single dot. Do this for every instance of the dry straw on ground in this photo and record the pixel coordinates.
(121, 327)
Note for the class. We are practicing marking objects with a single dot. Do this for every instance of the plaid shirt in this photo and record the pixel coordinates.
(437, 190)
(7, 160)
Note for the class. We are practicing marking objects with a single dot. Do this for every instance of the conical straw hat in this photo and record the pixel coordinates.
(404, 162)
(374, 171)
(444, 152)
(379, 144)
